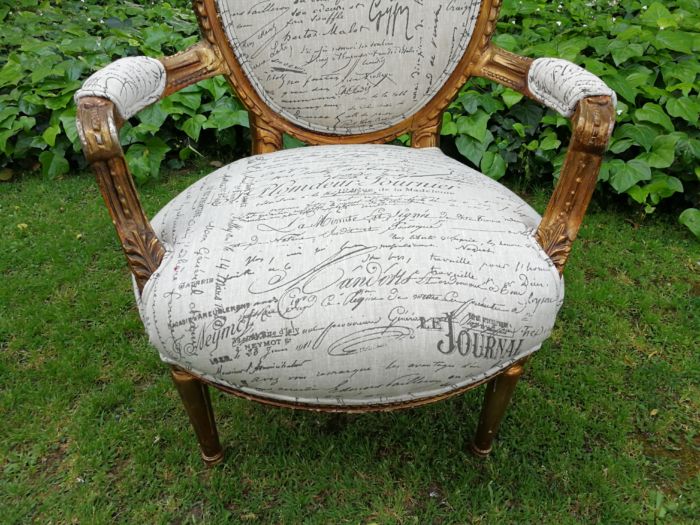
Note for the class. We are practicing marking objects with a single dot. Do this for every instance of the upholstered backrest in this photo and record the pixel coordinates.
(348, 67)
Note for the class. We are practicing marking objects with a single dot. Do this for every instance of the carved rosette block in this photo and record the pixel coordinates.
(427, 135)
(266, 138)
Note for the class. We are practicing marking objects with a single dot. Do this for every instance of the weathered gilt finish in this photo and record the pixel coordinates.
(99, 123)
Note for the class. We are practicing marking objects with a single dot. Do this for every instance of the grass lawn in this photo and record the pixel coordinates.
(605, 425)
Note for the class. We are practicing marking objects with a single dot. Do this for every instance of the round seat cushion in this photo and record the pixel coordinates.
(349, 275)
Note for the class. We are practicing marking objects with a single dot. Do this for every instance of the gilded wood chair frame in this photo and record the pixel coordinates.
(99, 124)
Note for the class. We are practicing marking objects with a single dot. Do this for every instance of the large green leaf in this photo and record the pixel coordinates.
(628, 174)
(661, 187)
(654, 13)
(621, 86)
(189, 98)
(506, 41)
(681, 41)
(663, 151)
(686, 108)
(11, 74)
(474, 125)
(471, 148)
(53, 163)
(493, 165)
(193, 126)
(144, 160)
(5, 135)
(449, 127)
(68, 121)
(623, 51)
(511, 98)
(549, 141)
(227, 113)
(50, 134)
(691, 219)
(8, 115)
(641, 134)
(654, 113)
(684, 70)
(153, 117)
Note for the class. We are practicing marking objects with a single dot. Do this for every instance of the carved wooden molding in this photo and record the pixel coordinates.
(592, 125)
(205, 26)
(265, 138)
(428, 135)
(504, 67)
(493, 9)
(99, 133)
(197, 63)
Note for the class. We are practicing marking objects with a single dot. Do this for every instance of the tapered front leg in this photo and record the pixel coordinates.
(195, 396)
(498, 394)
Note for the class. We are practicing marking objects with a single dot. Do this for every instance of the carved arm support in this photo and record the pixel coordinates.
(106, 100)
(575, 93)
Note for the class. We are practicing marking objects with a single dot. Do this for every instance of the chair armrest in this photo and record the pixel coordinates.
(130, 84)
(575, 93)
(111, 96)
(561, 85)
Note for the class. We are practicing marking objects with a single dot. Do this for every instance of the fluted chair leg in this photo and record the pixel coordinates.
(498, 394)
(195, 396)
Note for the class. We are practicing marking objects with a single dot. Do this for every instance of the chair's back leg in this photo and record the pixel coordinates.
(195, 396)
(498, 393)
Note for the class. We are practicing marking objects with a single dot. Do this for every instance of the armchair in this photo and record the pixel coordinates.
(350, 276)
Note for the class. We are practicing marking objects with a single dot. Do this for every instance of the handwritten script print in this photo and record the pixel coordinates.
(348, 67)
(130, 83)
(561, 85)
(349, 275)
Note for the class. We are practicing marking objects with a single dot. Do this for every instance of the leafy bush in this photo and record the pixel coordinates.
(50, 48)
(646, 52)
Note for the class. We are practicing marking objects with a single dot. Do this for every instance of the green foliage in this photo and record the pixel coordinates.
(47, 50)
(646, 52)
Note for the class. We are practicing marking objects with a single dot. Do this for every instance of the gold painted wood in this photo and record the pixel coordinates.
(428, 135)
(98, 128)
(98, 125)
(265, 138)
(592, 124)
(499, 392)
(197, 402)
(505, 67)
(197, 63)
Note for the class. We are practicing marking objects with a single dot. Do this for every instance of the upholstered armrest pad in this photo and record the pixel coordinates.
(561, 85)
(130, 83)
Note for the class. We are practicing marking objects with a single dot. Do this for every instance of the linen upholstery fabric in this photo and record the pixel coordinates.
(348, 67)
(561, 85)
(130, 83)
(349, 275)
